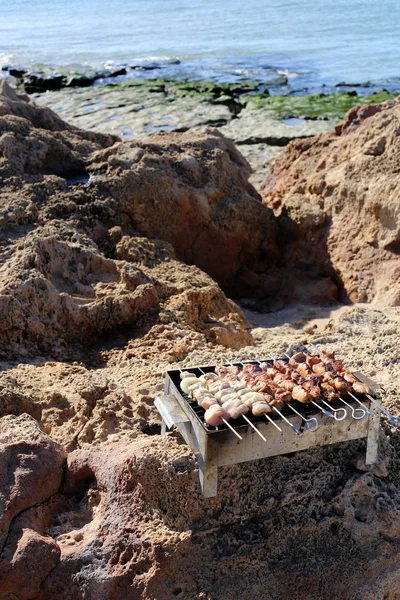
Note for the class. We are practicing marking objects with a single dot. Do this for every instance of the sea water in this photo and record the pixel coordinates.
(320, 41)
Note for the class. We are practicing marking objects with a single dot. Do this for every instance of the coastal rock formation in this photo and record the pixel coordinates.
(75, 264)
(129, 521)
(336, 197)
(192, 191)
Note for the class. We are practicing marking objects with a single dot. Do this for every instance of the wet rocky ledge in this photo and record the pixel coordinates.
(134, 101)
(262, 124)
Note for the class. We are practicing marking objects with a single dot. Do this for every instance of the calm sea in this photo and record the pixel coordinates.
(316, 41)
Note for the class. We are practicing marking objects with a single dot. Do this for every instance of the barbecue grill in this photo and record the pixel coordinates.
(296, 427)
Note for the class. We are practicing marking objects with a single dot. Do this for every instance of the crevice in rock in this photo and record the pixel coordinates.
(270, 140)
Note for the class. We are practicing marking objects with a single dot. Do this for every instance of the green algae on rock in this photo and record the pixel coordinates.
(314, 106)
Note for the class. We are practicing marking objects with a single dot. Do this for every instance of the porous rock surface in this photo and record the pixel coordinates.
(94, 504)
(337, 200)
(74, 262)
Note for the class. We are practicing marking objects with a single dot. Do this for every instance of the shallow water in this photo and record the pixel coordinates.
(324, 41)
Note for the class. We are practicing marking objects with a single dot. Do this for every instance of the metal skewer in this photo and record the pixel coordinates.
(353, 410)
(369, 412)
(311, 428)
(394, 420)
(224, 420)
(336, 411)
(245, 418)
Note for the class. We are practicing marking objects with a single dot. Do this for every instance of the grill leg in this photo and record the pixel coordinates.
(372, 439)
(208, 474)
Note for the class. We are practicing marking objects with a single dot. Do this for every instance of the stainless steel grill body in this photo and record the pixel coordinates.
(219, 447)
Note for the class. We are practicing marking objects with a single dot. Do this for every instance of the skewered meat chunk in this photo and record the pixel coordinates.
(319, 368)
(235, 408)
(287, 385)
(265, 365)
(231, 396)
(297, 358)
(282, 395)
(329, 392)
(312, 390)
(227, 371)
(303, 369)
(277, 403)
(339, 384)
(252, 397)
(261, 408)
(208, 377)
(200, 392)
(360, 388)
(218, 385)
(327, 356)
(185, 374)
(215, 415)
(312, 360)
(224, 392)
(207, 401)
(300, 394)
(245, 391)
(349, 377)
(281, 366)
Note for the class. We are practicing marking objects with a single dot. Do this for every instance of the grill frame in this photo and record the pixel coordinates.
(221, 448)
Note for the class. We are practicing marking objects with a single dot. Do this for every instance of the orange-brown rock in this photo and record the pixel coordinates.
(73, 265)
(304, 528)
(336, 197)
(192, 191)
(31, 472)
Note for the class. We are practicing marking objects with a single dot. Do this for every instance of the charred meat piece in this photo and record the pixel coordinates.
(360, 388)
(297, 359)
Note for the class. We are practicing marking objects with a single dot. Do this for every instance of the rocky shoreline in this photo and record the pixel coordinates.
(260, 124)
(119, 259)
(260, 116)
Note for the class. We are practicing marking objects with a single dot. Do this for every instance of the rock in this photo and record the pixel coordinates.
(337, 204)
(31, 466)
(260, 157)
(255, 128)
(146, 532)
(200, 201)
(31, 472)
(134, 109)
(26, 561)
(58, 287)
(45, 79)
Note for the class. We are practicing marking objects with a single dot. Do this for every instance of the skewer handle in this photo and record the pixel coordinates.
(394, 420)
